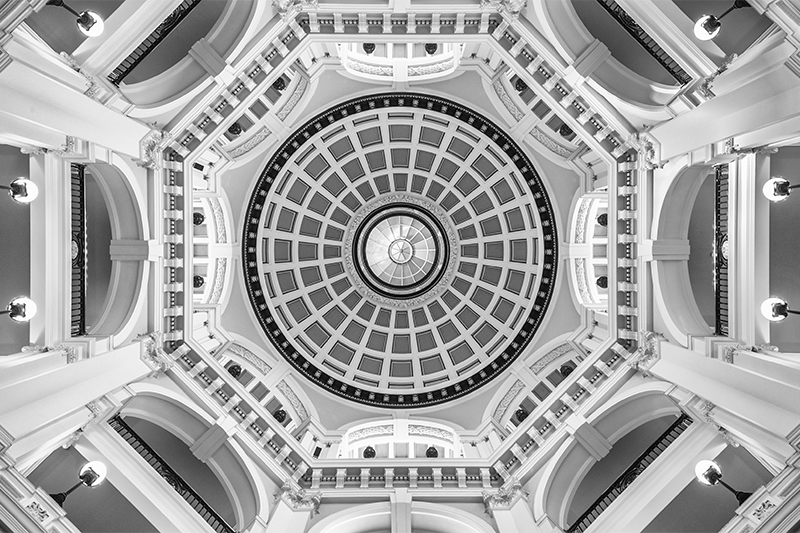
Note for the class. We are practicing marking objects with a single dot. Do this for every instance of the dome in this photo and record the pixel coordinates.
(399, 249)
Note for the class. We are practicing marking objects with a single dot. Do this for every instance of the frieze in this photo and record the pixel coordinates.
(439, 433)
(219, 219)
(290, 104)
(512, 108)
(292, 398)
(219, 280)
(549, 357)
(371, 431)
(250, 357)
(257, 138)
(550, 144)
(506, 401)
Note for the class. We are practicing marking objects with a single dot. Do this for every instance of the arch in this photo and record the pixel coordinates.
(175, 87)
(673, 296)
(126, 299)
(431, 517)
(571, 463)
(625, 89)
(229, 463)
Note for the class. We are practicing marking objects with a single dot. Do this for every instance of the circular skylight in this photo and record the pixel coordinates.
(399, 250)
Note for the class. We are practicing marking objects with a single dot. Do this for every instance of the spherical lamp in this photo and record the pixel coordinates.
(20, 309)
(777, 189)
(707, 27)
(22, 190)
(775, 309)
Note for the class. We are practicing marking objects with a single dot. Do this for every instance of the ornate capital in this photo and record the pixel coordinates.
(153, 354)
(648, 353)
(504, 497)
(288, 9)
(510, 8)
(150, 147)
(299, 499)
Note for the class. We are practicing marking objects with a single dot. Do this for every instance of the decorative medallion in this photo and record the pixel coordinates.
(399, 250)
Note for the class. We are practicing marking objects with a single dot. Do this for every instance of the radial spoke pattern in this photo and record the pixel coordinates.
(400, 250)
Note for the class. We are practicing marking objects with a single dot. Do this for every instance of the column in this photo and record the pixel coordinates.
(401, 511)
(293, 509)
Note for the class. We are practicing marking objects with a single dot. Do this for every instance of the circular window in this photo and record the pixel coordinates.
(399, 250)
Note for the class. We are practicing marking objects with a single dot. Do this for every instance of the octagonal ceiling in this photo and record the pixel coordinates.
(399, 250)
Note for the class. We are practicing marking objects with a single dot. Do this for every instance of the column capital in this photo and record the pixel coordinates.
(299, 499)
(153, 354)
(649, 352)
(505, 497)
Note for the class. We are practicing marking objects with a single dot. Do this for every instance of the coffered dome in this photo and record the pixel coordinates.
(399, 249)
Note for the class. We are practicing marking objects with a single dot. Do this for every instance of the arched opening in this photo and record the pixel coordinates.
(701, 242)
(98, 237)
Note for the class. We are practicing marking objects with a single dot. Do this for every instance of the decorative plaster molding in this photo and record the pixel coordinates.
(290, 104)
(765, 508)
(580, 278)
(386, 71)
(149, 147)
(153, 354)
(648, 353)
(33, 150)
(549, 357)
(504, 497)
(550, 144)
(219, 220)
(371, 431)
(706, 411)
(299, 499)
(705, 87)
(512, 108)
(36, 510)
(506, 401)
(92, 88)
(729, 353)
(580, 221)
(251, 143)
(250, 357)
(510, 8)
(733, 149)
(288, 9)
(433, 68)
(439, 433)
(292, 398)
(219, 280)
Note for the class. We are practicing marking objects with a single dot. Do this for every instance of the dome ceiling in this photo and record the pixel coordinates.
(399, 250)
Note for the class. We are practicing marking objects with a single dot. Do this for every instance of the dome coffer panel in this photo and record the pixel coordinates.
(399, 250)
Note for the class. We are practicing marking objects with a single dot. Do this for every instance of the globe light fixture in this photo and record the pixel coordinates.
(22, 190)
(776, 309)
(91, 474)
(777, 189)
(709, 473)
(708, 26)
(89, 23)
(20, 309)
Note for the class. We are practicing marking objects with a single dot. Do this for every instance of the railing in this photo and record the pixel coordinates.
(633, 471)
(79, 251)
(721, 251)
(647, 42)
(216, 522)
(152, 40)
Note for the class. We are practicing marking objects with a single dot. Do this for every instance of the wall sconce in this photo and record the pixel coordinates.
(20, 309)
(777, 189)
(707, 27)
(22, 190)
(776, 309)
(92, 474)
(89, 22)
(709, 473)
